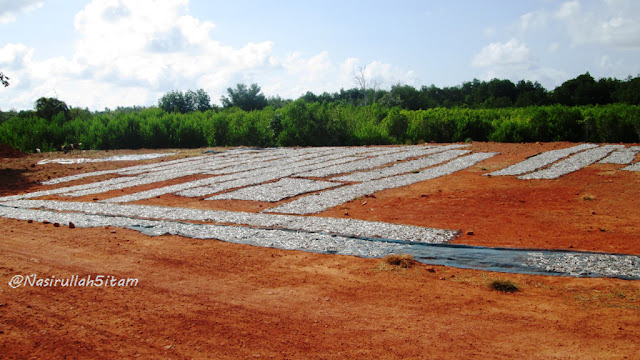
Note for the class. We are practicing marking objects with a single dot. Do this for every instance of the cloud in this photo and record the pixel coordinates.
(513, 60)
(15, 56)
(568, 10)
(510, 53)
(534, 20)
(611, 22)
(9, 9)
(141, 48)
(130, 52)
(299, 73)
(605, 22)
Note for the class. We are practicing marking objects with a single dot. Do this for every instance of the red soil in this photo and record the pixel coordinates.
(7, 151)
(210, 299)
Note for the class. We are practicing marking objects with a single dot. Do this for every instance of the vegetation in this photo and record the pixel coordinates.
(504, 286)
(177, 101)
(246, 98)
(498, 110)
(403, 261)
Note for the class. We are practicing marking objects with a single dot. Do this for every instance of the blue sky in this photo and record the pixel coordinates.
(109, 53)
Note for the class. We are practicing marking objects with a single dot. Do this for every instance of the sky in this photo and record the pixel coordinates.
(101, 54)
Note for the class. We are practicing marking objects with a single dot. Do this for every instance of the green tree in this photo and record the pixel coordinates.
(174, 101)
(199, 100)
(408, 96)
(582, 90)
(396, 123)
(177, 101)
(246, 98)
(530, 94)
(48, 108)
(502, 93)
(277, 102)
(628, 92)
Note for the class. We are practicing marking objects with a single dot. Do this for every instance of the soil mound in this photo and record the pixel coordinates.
(7, 151)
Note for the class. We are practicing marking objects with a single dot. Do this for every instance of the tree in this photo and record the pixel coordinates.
(530, 94)
(502, 93)
(277, 102)
(177, 101)
(579, 91)
(47, 108)
(368, 88)
(200, 100)
(408, 96)
(4, 79)
(629, 91)
(246, 98)
(174, 101)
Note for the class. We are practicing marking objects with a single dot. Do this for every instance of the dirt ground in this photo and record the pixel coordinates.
(208, 299)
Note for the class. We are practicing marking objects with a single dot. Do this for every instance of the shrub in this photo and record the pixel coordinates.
(403, 261)
(319, 124)
(504, 286)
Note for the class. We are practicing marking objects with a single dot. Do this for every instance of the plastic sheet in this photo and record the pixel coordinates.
(128, 157)
(525, 261)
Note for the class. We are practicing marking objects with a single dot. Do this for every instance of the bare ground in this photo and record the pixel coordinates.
(210, 299)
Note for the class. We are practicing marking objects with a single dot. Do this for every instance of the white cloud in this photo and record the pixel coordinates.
(386, 74)
(15, 56)
(510, 53)
(613, 66)
(130, 52)
(310, 69)
(604, 22)
(612, 22)
(9, 9)
(141, 48)
(513, 60)
(568, 10)
(318, 73)
(533, 21)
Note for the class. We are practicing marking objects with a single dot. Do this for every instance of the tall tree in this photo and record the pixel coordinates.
(177, 101)
(579, 91)
(174, 101)
(530, 94)
(367, 87)
(502, 93)
(408, 96)
(47, 108)
(629, 91)
(200, 100)
(246, 98)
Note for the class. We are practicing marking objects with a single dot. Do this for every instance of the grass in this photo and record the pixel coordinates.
(622, 297)
(402, 265)
(402, 261)
(504, 286)
(588, 197)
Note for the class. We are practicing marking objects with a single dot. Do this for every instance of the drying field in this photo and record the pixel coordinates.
(159, 220)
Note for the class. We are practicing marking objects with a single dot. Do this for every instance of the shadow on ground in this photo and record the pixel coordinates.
(13, 181)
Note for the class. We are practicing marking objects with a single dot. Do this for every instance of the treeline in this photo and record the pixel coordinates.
(583, 90)
(301, 123)
(476, 94)
(581, 109)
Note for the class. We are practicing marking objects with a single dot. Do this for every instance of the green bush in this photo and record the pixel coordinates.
(301, 123)
(396, 124)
